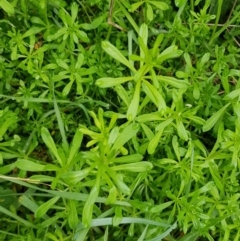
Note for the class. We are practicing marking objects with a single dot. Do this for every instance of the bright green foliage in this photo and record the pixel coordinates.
(119, 127)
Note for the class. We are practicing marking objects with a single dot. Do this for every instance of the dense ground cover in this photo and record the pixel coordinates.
(119, 120)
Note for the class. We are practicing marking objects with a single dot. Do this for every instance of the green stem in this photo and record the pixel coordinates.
(224, 27)
(85, 10)
(192, 5)
(219, 10)
(129, 17)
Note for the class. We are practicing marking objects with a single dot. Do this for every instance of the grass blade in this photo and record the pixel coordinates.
(14, 216)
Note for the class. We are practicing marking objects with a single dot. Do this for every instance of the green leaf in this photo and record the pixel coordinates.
(37, 20)
(16, 217)
(154, 142)
(133, 167)
(113, 135)
(169, 53)
(32, 31)
(118, 216)
(154, 95)
(63, 194)
(193, 236)
(83, 36)
(73, 214)
(156, 45)
(214, 118)
(179, 3)
(160, 5)
(75, 145)
(67, 88)
(198, 120)
(7, 168)
(149, 12)
(88, 207)
(99, 222)
(110, 82)
(232, 95)
(80, 61)
(127, 134)
(73, 177)
(149, 117)
(164, 124)
(165, 234)
(7, 7)
(204, 59)
(175, 145)
(135, 6)
(143, 40)
(59, 118)
(48, 140)
(116, 54)
(142, 237)
(147, 131)
(112, 195)
(213, 167)
(143, 51)
(188, 60)
(128, 159)
(133, 107)
(62, 64)
(42, 4)
(42, 210)
(6, 124)
(30, 166)
(181, 130)
(180, 84)
(95, 23)
(159, 208)
(74, 11)
(118, 181)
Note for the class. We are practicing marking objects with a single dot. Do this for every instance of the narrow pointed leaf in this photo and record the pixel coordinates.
(116, 54)
(30, 166)
(118, 182)
(88, 207)
(232, 95)
(181, 130)
(110, 82)
(157, 98)
(133, 108)
(128, 159)
(42, 210)
(7, 7)
(16, 217)
(48, 140)
(154, 142)
(214, 118)
(180, 84)
(75, 145)
(73, 177)
(132, 167)
(160, 5)
(127, 134)
(62, 64)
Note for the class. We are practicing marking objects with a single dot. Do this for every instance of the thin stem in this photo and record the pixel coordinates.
(85, 10)
(219, 25)
(219, 10)
(192, 5)
(129, 17)
(110, 16)
(225, 26)
(234, 4)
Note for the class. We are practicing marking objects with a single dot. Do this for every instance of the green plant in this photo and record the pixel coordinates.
(119, 120)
